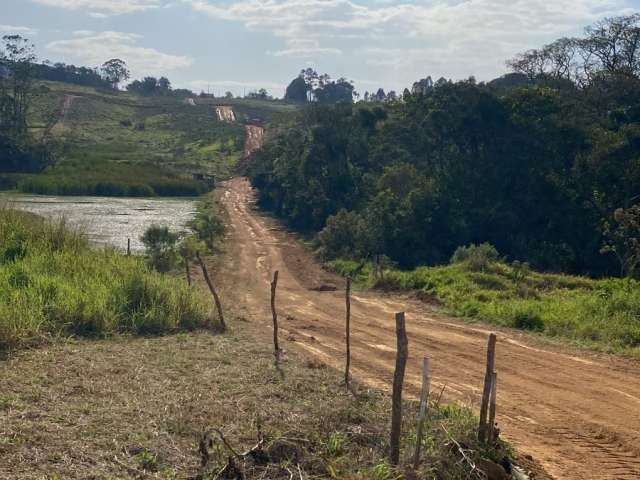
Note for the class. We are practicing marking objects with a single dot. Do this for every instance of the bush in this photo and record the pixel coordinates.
(345, 235)
(528, 321)
(519, 271)
(477, 257)
(207, 224)
(160, 244)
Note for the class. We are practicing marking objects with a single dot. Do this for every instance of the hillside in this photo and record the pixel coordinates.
(124, 144)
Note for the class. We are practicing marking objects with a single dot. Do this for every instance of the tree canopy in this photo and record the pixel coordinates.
(309, 86)
(544, 167)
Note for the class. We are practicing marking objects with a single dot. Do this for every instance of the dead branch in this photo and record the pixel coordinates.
(479, 474)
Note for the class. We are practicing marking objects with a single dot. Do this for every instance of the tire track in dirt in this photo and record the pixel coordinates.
(577, 414)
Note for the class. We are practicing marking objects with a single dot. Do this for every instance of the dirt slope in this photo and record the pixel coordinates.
(578, 414)
(254, 138)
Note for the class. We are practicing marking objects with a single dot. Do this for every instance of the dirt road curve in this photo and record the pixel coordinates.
(577, 415)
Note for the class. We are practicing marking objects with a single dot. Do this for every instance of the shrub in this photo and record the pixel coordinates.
(208, 224)
(160, 244)
(519, 271)
(528, 320)
(477, 257)
(345, 235)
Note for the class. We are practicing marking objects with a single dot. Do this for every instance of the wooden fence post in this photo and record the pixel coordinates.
(486, 393)
(128, 247)
(424, 405)
(348, 332)
(398, 380)
(186, 267)
(274, 313)
(492, 407)
(212, 290)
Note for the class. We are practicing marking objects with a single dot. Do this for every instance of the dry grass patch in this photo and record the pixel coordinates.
(133, 407)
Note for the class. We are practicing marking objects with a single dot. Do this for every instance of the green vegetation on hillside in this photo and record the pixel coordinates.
(601, 314)
(52, 283)
(133, 145)
(539, 171)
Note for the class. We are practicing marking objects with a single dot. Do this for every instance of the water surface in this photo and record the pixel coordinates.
(109, 220)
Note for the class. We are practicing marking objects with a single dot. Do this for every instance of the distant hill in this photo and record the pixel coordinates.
(119, 143)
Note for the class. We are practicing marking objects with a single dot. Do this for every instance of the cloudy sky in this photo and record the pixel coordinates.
(247, 44)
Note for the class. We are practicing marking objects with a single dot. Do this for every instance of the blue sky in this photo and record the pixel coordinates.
(243, 45)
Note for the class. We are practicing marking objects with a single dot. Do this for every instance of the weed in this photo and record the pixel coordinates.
(335, 444)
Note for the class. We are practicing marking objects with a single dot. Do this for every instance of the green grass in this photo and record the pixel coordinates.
(602, 314)
(52, 283)
(96, 177)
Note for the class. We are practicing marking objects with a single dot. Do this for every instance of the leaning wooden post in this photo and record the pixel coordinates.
(492, 407)
(348, 333)
(128, 247)
(486, 393)
(396, 398)
(424, 399)
(186, 267)
(212, 290)
(274, 313)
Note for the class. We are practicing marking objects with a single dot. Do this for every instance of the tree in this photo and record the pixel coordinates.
(339, 91)
(610, 47)
(622, 238)
(115, 71)
(380, 96)
(164, 86)
(228, 95)
(17, 57)
(297, 90)
(261, 94)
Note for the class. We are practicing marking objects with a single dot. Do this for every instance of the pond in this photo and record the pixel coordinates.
(109, 220)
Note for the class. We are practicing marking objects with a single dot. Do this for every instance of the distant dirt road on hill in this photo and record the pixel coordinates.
(578, 414)
(253, 140)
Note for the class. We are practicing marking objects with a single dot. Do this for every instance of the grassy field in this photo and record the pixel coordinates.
(601, 314)
(136, 407)
(124, 144)
(53, 284)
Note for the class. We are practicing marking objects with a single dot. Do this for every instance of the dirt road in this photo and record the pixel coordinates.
(577, 414)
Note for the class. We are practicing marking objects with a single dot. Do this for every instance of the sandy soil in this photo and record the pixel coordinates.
(578, 414)
(225, 113)
(254, 138)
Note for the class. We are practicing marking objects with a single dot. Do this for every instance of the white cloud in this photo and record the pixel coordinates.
(15, 30)
(94, 48)
(408, 40)
(102, 8)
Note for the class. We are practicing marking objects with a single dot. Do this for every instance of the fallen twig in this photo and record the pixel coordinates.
(474, 469)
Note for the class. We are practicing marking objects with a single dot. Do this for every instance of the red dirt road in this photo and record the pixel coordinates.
(578, 414)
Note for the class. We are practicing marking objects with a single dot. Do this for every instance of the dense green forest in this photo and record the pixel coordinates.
(543, 164)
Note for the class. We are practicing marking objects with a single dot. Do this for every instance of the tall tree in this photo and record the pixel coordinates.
(115, 71)
(297, 90)
(17, 56)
